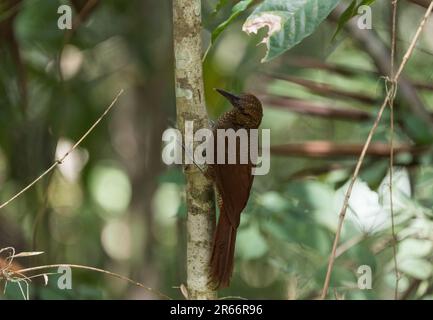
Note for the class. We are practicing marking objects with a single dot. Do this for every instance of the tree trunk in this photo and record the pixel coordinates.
(190, 106)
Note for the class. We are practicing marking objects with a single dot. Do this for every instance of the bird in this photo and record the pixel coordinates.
(233, 184)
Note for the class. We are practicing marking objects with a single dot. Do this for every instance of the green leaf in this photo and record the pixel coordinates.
(236, 11)
(349, 13)
(288, 22)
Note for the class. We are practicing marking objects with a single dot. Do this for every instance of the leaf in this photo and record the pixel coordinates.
(288, 22)
(219, 5)
(236, 11)
(349, 13)
(410, 248)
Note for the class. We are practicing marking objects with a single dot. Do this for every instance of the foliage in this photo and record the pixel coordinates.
(112, 204)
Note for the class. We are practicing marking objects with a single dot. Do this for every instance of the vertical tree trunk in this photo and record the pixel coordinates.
(190, 106)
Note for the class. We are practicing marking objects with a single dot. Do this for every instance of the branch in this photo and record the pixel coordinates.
(84, 10)
(414, 285)
(324, 88)
(390, 95)
(60, 161)
(422, 3)
(370, 42)
(391, 143)
(326, 149)
(190, 105)
(316, 109)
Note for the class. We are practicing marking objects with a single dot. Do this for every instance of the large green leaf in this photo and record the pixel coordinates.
(288, 22)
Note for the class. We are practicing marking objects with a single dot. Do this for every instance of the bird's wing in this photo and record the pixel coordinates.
(234, 183)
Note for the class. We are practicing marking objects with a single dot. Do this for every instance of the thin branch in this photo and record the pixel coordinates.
(343, 248)
(373, 45)
(83, 14)
(422, 3)
(414, 285)
(314, 63)
(190, 106)
(60, 161)
(388, 97)
(391, 144)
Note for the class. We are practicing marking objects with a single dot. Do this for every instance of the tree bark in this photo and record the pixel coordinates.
(190, 105)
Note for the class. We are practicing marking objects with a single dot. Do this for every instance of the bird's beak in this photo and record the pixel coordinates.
(234, 99)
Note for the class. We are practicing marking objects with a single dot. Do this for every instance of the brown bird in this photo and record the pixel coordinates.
(233, 183)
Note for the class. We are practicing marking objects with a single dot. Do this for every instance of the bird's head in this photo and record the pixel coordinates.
(248, 108)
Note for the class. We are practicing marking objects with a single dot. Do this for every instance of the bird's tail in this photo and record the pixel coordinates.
(221, 263)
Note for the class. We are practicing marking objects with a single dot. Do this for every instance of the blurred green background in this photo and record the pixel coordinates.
(114, 205)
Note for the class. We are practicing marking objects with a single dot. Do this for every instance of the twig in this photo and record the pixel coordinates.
(391, 145)
(60, 161)
(364, 151)
(76, 266)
